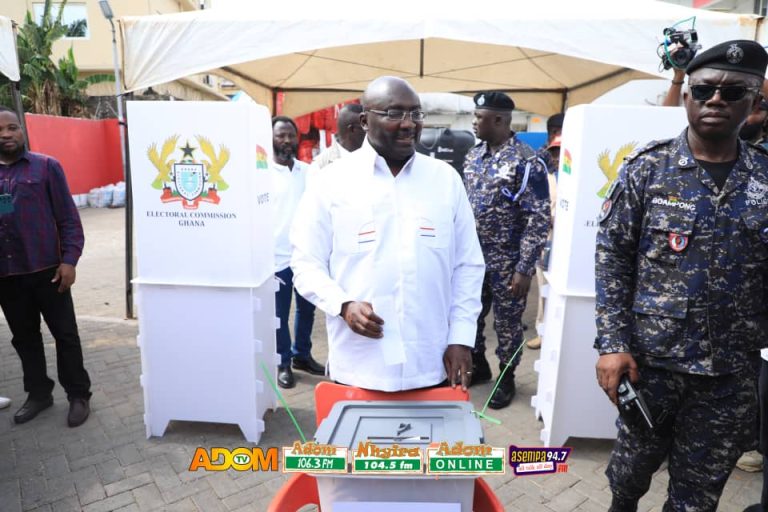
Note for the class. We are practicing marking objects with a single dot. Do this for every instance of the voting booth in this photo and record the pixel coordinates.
(596, 139)
(205, 262)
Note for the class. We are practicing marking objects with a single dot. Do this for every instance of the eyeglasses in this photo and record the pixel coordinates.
(396, 115)
(727, 92)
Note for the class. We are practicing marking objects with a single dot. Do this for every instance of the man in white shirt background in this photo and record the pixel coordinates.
(288, 180)
(384, 242)
(348, 138)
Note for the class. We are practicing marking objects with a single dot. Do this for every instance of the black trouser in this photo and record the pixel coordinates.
(763, 393)
(23, 299)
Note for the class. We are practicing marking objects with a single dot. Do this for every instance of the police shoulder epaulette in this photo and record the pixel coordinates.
(648, 147)
(759, 147)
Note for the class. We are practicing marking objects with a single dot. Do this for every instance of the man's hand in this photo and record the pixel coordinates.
(610, 368)
(520, 285)
(65, 276)
(458, 365)
(362, 320)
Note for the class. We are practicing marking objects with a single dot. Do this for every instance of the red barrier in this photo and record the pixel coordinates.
(88, 150)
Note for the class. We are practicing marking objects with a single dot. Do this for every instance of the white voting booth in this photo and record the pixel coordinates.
(205, 262)
(596, 138)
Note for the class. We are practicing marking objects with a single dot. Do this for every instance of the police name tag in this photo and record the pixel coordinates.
(6, 204)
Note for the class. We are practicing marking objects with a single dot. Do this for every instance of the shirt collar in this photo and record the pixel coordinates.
(684, 159)
(24, 156)
(506, 144)
(283, 168)
(341, 149)
(378, 162)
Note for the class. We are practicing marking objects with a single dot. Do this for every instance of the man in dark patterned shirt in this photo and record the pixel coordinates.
(41, 240)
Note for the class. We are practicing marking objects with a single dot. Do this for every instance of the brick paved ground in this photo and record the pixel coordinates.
(108, 464)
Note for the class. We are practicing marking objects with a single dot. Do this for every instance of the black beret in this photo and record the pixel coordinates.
(555, 121)
(494, 100)
(740, 55)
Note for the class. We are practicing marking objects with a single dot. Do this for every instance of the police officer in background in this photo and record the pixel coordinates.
(507, 187)
(681, 274)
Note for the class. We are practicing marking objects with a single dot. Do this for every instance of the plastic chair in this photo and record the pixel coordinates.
(301, 489)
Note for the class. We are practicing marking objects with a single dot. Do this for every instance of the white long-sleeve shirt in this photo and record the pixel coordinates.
(287, 189)
(407, 243)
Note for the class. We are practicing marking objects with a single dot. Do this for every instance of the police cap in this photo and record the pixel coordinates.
(494, 100)
(740, 55)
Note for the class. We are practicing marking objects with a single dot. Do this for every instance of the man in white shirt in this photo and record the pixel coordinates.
(348, 138)
(384, 242)
(288, 178)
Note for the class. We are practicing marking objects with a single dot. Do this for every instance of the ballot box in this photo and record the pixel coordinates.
(403, 424)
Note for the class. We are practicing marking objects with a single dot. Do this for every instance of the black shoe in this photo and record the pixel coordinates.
(79, 409)
(285, 377)
(505, 391)
(481, 370)
(32, 408)
(623, 505)
(308, 365)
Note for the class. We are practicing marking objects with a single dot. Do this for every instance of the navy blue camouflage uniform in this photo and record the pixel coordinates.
(512, 232)
(681, 275)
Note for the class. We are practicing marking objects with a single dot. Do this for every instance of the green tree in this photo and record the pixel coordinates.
(78, 28)
(45, 87)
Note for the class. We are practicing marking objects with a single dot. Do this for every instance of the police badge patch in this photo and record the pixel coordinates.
(613, 193)
(678, 242)
(605, 209)
(734, 54)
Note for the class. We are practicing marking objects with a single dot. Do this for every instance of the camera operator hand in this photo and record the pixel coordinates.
(674, 94)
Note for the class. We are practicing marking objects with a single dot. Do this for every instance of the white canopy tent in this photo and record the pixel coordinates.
(545, 53)
(9, 61)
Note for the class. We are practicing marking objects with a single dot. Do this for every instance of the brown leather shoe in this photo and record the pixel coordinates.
(31, 408)
(79, 409)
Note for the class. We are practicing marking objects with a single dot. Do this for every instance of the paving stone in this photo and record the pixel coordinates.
(130, 508)
(111, 503)
(89, 490)
(110, 471)
(10, 495)
(68, 504)
(128, 484)
(208, 501)
(222, 484)
(148, 497)
(128, 454)
(567, 500)
(186, 505)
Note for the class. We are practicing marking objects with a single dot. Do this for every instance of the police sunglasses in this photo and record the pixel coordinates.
(727, 92)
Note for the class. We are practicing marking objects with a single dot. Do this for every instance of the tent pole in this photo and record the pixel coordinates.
(119, 100)
(16, 91)
(421, 58)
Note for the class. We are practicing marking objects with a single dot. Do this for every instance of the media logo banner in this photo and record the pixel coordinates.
(461, 459)
(538, 460)
(314, 458)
